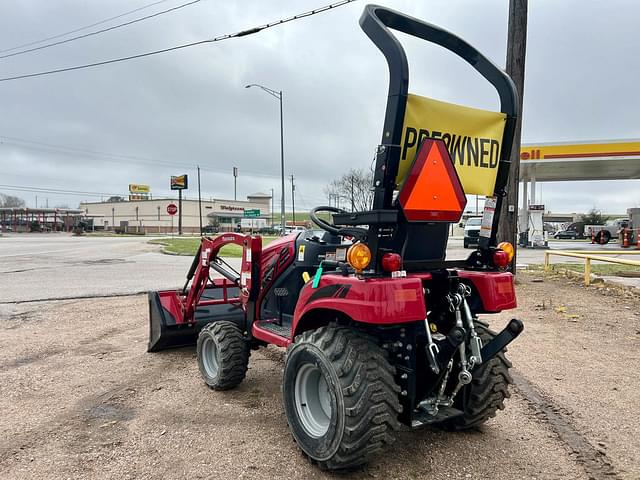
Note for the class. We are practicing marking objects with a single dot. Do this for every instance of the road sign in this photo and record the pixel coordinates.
(252, 213)
(172, 209)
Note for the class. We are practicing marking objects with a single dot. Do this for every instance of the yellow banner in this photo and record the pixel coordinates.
(473, 138)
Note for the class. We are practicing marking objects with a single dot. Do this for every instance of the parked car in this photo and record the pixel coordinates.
(567, 234)
(472, 231)
(210, 229)
(294, 229)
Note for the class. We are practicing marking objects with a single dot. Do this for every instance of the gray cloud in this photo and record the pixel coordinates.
(190, 106)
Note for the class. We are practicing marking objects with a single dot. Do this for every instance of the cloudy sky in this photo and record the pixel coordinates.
(97, 130)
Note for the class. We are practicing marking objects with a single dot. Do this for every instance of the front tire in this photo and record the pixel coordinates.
(485, 395)
(340, 397)
(223, 355)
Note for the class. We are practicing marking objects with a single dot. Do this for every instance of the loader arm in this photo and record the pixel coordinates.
(207, 259)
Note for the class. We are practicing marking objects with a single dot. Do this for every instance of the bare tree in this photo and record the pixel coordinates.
(352, 191)
(10, 201)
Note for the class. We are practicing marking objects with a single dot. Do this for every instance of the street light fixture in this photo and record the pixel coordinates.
(277, 95)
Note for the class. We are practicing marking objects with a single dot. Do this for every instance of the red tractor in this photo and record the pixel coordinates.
(380, 329)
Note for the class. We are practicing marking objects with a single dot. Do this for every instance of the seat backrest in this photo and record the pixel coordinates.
(423, 242)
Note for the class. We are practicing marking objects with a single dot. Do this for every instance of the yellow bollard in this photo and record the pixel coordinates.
(587, 271)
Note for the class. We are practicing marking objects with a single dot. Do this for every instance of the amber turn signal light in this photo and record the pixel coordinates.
(359, 256)
(508, 249)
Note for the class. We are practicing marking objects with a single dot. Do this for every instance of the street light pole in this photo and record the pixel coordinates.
(279, 96)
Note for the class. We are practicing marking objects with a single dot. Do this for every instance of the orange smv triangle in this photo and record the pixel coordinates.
(432, 191)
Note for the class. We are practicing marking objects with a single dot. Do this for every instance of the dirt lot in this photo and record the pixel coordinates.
(82, 399)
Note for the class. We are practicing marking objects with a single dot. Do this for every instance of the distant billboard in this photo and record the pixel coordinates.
(138, 188)
(179, 182)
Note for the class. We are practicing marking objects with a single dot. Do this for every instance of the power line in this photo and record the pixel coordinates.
(97, 32)
(84, 28)
(20, 188)
(63, 192)
(220, 38)
(118, 158)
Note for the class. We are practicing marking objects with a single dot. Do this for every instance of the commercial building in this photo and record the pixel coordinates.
(151, 216)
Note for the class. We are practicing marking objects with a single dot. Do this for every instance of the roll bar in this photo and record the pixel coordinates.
(377, 23)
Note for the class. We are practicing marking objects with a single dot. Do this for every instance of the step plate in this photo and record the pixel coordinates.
(421, 418)
(281, 330)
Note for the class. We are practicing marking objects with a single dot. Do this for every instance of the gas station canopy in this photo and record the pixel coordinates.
(602, 160)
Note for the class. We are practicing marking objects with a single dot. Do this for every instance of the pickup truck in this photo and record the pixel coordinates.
(472, 231)
(604, 233)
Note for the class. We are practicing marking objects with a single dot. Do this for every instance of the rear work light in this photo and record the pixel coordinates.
(359, 256)
(391, 262)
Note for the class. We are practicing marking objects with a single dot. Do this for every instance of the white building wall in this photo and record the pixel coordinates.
(152, 216)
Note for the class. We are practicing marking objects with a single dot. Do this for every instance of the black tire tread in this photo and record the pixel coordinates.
(233, 351)
(488, 389)
(369, 390)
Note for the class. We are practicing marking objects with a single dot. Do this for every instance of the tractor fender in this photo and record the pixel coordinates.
(376, 301)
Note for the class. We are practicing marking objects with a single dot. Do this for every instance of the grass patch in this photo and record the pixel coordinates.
(189, 246)
(603, 269)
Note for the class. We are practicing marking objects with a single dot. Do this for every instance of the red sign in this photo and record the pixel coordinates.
(172, 209)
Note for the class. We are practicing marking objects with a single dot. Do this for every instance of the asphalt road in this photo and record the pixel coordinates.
(52, 266)
(43, 266)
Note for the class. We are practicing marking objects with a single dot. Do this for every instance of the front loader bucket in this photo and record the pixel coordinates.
(164, 331)
(167, 328)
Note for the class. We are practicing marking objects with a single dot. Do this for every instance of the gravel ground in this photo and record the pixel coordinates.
(81, 398)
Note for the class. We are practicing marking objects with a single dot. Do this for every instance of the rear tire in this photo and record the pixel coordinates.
(339, 396)
(487, 391)
(603, 237)
(223, 355)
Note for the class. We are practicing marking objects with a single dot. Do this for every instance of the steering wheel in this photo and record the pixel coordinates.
(323, 224)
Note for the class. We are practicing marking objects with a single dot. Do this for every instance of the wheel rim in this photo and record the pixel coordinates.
(312, 400)
(210, 357)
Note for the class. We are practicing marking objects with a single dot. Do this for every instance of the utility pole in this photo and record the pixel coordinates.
(293, 199)
(516, 54)
(272, 208)
(352, 198)
(199, 201)
(179, 212)
(235, 178)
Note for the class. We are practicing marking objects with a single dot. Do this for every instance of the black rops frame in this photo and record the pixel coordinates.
(377, 23)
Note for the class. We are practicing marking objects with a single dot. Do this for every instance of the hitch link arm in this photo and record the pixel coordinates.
(464, 377)
(475, 341)
(432, 348)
